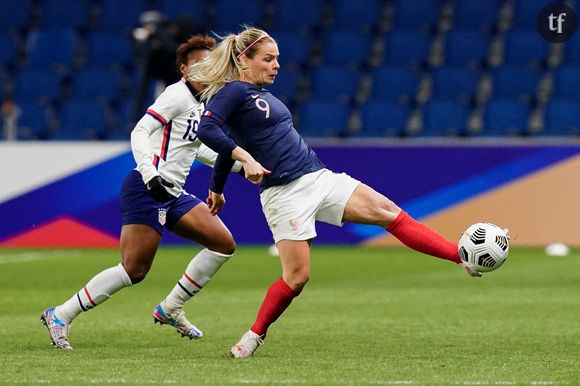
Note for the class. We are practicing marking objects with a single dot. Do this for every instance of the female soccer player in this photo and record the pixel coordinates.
(295, 187)
(165, 144)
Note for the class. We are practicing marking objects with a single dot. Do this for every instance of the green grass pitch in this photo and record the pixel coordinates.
(367, 317)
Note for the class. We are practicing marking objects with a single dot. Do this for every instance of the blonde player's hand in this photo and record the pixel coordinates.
(215, 202)
(254, 171)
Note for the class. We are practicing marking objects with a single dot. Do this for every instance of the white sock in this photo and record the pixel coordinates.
(201, 268)
(97, 290)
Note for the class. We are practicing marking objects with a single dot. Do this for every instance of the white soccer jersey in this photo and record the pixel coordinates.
(164, 141)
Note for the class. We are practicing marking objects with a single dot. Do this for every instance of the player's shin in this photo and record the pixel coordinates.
(421, 238)
(97, 290)
(197, 274)
(277, 300)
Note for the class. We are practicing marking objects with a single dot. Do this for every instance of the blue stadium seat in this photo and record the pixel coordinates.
(464, 47)
(334, 83)
(121, 15)
(124, 123)
(395, 84)
(195, 9)
(525, 47)
(335, 52)
(8, 50)
(515, 82)
(286, 85)
(322, 119)
(294, 48)
(51, 46)
(572, 50)
(406, 47)
(443, 118)
(65, 13)
(37, 84)
(32, 122)
(383, 119)
(105, 48)
(505, 117)
(96, 82)
(413, 14)
(15, 14)
(230, 14)
(459, 83)
(82, 120)
(476, 13)
(526, 12)
(297, 15)
(567, 82)
(354, 15)
(561, 118)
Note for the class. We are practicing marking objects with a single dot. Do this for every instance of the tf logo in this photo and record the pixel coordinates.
(556, 22)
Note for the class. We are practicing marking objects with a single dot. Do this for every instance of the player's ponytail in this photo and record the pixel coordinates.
(222, 65)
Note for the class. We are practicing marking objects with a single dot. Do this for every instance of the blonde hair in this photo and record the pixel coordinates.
(222, 64)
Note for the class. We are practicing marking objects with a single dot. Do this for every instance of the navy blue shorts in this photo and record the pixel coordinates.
(137, 206)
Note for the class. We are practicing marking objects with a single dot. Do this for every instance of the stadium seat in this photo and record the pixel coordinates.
(230, 14)
(32, 122)
(561, 118)
(395, 84)
(383, 119)
(82, 120)
(515, 82)
(416, 14)
(406, 47)
(352, 15)
(194, 9)
(505, 117)
(526, 12)
(297, 15)
(105, 48)
(443, 118)
(96, 82)
(334, 83)
(567, 82)
(51, 46)
(286, 85)
(359, 48)
(8, 50)
(525, 47)
(294, 48)
(322, 119)
(65, 13)
(117, 16)
(476, 13)
(15, 14)
(458, 83)
(464, 47)
(37, 84)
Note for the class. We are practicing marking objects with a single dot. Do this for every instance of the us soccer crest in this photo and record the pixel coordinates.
(162, 216)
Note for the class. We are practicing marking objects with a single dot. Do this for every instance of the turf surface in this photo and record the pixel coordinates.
(379, 317)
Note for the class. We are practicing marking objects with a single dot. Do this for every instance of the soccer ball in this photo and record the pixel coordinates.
(484, 246)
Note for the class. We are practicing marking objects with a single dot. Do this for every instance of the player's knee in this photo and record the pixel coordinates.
(297, 280)
(387, 212)
(225, 245)
(136, 273)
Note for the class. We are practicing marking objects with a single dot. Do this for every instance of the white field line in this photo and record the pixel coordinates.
(26, 257)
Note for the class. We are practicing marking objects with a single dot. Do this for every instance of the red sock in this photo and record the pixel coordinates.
(278, 298)
(422, 238)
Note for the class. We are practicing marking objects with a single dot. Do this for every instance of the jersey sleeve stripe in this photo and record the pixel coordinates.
(156, 161)
(165, 144)
(157, 116)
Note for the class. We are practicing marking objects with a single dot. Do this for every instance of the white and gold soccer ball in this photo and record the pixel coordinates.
(484, 247)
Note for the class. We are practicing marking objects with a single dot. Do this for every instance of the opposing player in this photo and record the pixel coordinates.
(295, 187)
(165, 144)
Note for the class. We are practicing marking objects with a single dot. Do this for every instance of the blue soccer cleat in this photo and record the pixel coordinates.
(177, 320)
(57, 329)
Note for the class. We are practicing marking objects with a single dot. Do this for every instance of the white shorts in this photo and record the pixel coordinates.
(292, 209)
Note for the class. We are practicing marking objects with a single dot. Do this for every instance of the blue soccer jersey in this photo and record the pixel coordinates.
(262, 125)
